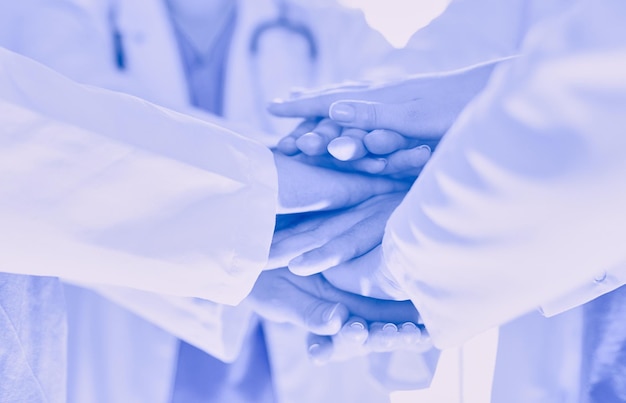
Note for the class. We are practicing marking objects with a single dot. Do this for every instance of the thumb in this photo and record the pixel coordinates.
(323, 318)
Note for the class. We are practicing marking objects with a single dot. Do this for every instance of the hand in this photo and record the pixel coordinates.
(314, 304)
(358, 338)
(374, 278)
(323, 240)
(430, 102)
(282, 297)
(305, 188)
(390, 128)
(358, 325)
(380, 152)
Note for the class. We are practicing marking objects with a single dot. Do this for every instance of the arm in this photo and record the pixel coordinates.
(522, 203)
(122, 192)
(117, 191)
(403, 117)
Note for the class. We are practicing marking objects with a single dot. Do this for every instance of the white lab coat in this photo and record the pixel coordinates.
(101, 186)
(91, 173)
(80, 46)
(522, 204)
(538, 358)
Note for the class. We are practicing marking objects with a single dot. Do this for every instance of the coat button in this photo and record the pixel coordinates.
(600, 277)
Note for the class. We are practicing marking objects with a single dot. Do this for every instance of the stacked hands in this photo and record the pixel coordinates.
(341, 173)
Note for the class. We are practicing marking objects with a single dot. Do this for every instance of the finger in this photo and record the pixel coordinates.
(277, 298)
(374, 166)
(310, 234)
(312, 312)
(355, 331)
(349, 233)
(354, 242)
(409, 118)
(287, 145)
(365, 115)
(289, 224)
(349, 146)
(347, 149)
(320, 348)
(371, 309)
(406, 160)
(366, 165)
(383, 141)
(303, 233)
(316, 141)
(410, 332)
(350, 341)
(425, 337)
(317, 102)
(303, 107)
(306, 188)
(415, 337)
(319, 316)
(290, 242)
(282, 252)
(384, 337)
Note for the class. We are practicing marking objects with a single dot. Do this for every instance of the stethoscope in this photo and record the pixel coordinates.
(283, 21)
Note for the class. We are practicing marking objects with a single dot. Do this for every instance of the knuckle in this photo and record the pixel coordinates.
(323, 287)
(312, 315)
(370, 115)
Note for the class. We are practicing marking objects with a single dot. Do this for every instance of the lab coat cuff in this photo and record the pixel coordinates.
(602, 283)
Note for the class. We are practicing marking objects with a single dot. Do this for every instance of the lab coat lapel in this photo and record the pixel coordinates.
(152, 51)
(240, 89)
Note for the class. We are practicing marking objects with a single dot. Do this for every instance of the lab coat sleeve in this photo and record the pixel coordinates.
(101, 187)
(523, 202)
(470, 32)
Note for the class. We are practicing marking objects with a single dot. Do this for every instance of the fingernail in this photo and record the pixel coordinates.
(288, 146)
(377, 165)
(346, 149)
(330, 312)
(342, 112)
(357, 326)
(424, 147)
(314, 349)
(311, 144)
(390, 327)
(412, 334)
(408, 326)
(278, 101)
